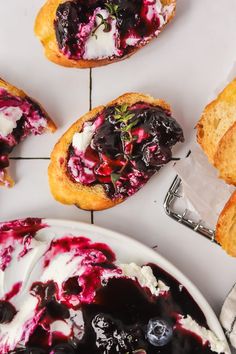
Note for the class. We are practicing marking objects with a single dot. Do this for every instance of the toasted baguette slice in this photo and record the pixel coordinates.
(5, 178)
(225, 157)
(45, 31)
(63, 188)
(226, 227)
(216, 133)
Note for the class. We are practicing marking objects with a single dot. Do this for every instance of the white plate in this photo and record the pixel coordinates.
(128, 250)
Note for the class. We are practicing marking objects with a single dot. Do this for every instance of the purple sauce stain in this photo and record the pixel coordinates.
(79, 245)
(21, 231)
(18, 229)
(5, 257)
(13, 292)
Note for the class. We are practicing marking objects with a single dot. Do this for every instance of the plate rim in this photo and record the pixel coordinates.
(212, 320)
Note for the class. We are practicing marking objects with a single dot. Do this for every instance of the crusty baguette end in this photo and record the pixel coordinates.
(225, 160)
(226, 227)
(216, 119)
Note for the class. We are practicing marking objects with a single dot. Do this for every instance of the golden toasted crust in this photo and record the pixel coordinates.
(226, 227)
(225, 156)
(216, 119)
(7, 180)
(216, 133)
(44, 30)
(62, 187)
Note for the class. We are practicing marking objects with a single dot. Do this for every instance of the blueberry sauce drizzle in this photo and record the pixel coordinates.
(136, 24)
(123, 159)
(119, 317)
(33, 121)
(12, 234)
(18, 229)
(117, 321)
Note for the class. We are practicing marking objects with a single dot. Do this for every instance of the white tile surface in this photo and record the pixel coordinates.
(184, 66)
(64, 93)
(31, 196)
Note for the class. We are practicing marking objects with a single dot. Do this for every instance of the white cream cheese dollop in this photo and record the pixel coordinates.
(8, 119)
(216, 345)
(102, 44)
(156, 9)
(81, 140)
(144, 277)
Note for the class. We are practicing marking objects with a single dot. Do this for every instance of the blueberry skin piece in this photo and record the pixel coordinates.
(29, 351)
(35, 351)
(159, 332)
(7, 312)
(63, 349)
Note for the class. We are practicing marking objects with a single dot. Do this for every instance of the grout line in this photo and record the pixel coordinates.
(92, 217)
(90, 107)
(29, 158)
(176, 159)
(90, 88)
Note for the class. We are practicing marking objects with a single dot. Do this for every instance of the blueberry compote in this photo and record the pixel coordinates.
(127, 23)
(128, 146)
(76, 299)
(119, 321)
(25, 117)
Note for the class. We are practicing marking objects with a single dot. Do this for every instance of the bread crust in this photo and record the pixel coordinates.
(216, 132)
(62, 187)
(224, 159)
(51, 126)
(44, 30)
(6, 179)
(217, 118)
(226, 227)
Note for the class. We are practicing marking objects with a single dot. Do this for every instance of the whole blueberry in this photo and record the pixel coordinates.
(63, 348)
(29, 350)
(7, 312)
(159, 332)
(35, 350)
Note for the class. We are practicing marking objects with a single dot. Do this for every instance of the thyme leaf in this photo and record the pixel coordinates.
(104, 22)
(113, 9)
(128, 127)
(114, 178)
(124, 116)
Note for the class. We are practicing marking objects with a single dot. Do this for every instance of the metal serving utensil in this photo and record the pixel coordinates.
(173, 194)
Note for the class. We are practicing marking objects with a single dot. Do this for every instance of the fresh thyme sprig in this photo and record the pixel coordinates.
(113, 10)
(114, 178)
(123, 115)
(104, 22)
